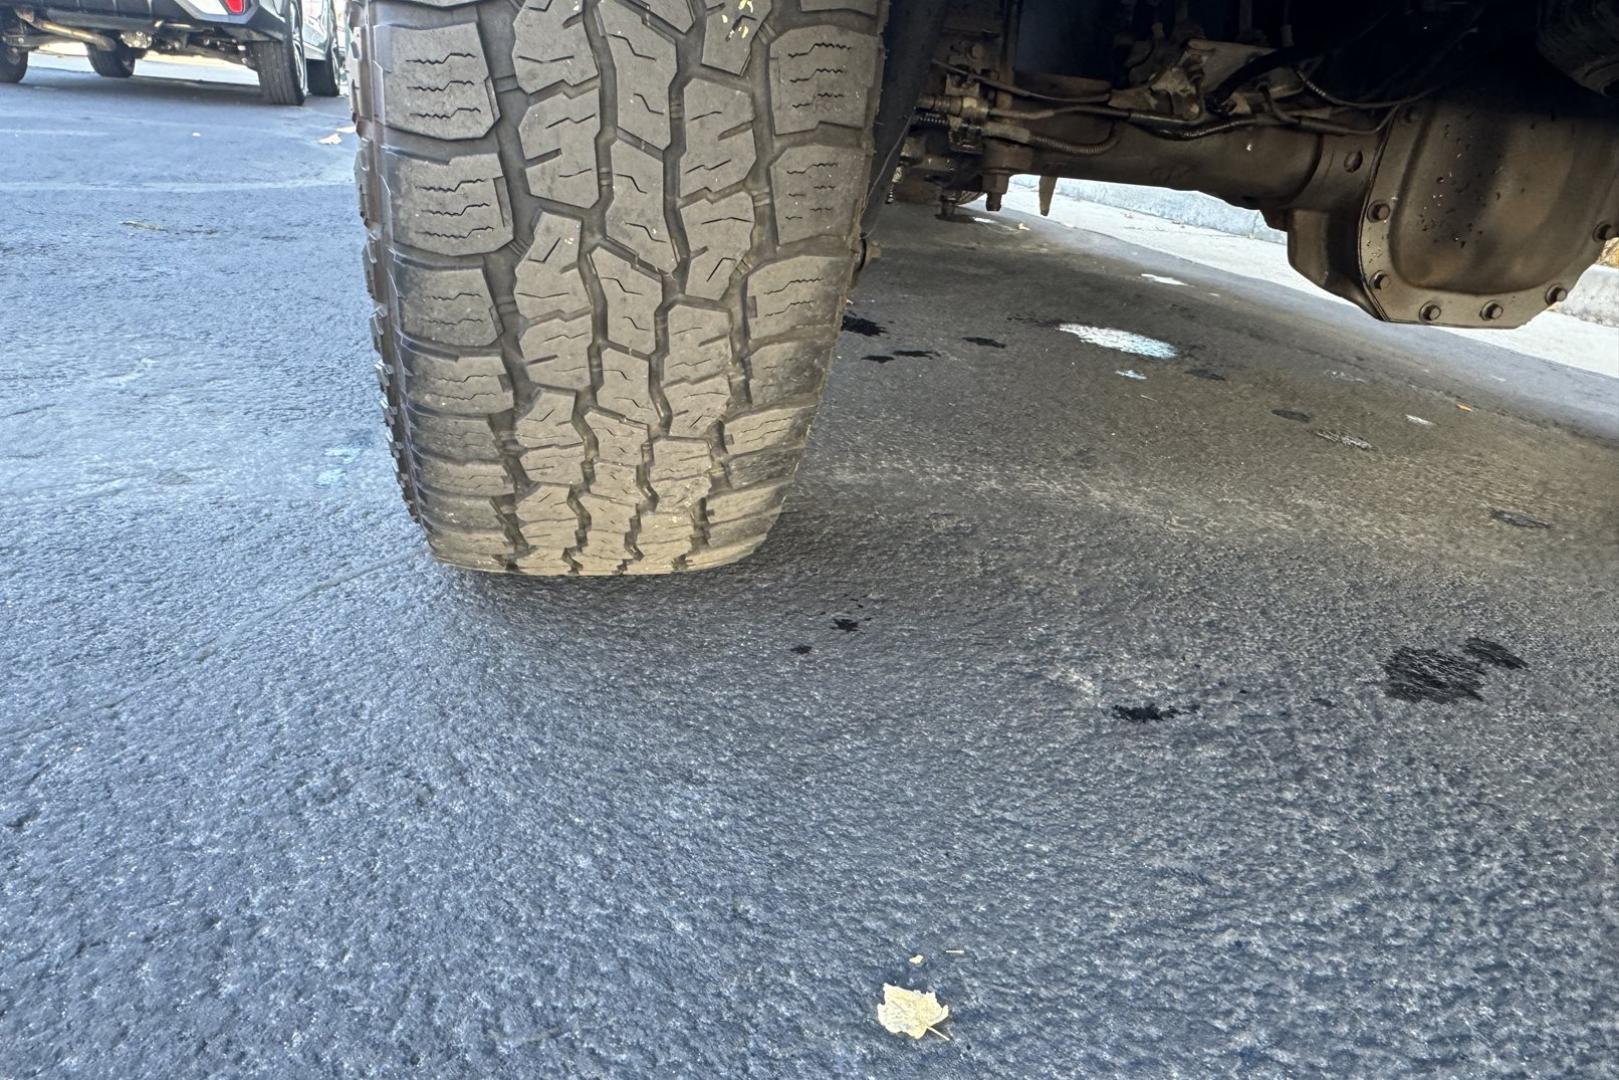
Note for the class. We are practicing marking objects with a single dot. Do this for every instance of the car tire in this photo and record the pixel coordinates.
(117, 63)
(13, 64)
(282, 70)
(325, 74)
(606, 360)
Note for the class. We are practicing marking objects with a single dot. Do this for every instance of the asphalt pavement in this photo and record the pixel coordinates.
(1246, 704)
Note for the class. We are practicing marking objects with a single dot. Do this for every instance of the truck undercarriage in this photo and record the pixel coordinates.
(1453, 162)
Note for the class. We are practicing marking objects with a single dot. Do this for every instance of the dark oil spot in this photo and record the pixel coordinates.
(1141, 714)
(1431, 675)
(848, 626)
(802, 650)
(878, 358)
(1205, 374)
(856, 324)
(1519, 521)
(986, 342)
(1290, 414)
(915, 352)
(1493, 653)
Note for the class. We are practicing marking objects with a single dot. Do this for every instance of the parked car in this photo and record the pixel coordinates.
(295, 50)
(611, 240)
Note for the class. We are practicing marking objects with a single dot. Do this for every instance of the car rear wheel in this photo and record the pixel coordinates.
(610, 243)
(115, 63)
(13, 64)
(281, 65)
(325, 70)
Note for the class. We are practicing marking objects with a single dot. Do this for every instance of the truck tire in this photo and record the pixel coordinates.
(610, 245)
(116, 63)
(13, 64)
(282, 69)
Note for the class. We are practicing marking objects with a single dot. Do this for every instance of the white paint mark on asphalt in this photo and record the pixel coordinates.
(1131, 373)
(1162, 280)
(1109, 337)
(53, 132)
(1419, 421)
(1343, 438)
(180, 188)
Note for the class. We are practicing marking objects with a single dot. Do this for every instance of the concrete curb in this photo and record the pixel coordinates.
(1181, 207)
(1594, 298)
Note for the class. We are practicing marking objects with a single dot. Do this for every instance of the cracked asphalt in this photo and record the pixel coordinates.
(1213, 719)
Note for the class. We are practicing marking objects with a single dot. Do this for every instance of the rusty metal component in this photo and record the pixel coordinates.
(1471, 198)
(1048, 188)
(72, 33)
(1485, 204)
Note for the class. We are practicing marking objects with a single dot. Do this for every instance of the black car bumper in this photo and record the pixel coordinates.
(258, 22)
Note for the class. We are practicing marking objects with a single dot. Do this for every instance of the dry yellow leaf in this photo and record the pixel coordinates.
(911, 1012)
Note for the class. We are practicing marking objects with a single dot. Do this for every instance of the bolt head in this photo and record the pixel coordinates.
(1380, 280)
(1354, 161)
(1492, 311)
(1380, 211)
(1430, 312)
(1556, 294)
(1603, 233)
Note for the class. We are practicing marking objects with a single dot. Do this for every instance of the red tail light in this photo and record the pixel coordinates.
(236, 7)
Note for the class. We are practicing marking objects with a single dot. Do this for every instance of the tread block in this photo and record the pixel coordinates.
(712, 556)
(554, 464)
(462, 477)
(618, 441)
(455, 207)
(558, 136)
(548, 421)
(557, 352)
(553, 448)
(764, 467)
(548, 520)
(719, 137)
(550, 46)
(719, 234)
(697, 406)
(460, 511)
(731, 31)
(674, 12)
(626, 387)
(766, 429)
(447, 305)
(546, 503)
(462, 437)
(731, 505)
(466, 385)
(635, 216)
(786, 370)
(796, 294)
(548, 279)
(551, 296)
(632, 298)
(699, 344)
(821, 75)
(485, 548)
(644, 64)
(679, 474)
(436, 81)
(816, 191)
(742, 530)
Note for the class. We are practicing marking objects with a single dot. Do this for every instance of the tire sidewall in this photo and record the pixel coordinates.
(295, 48)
